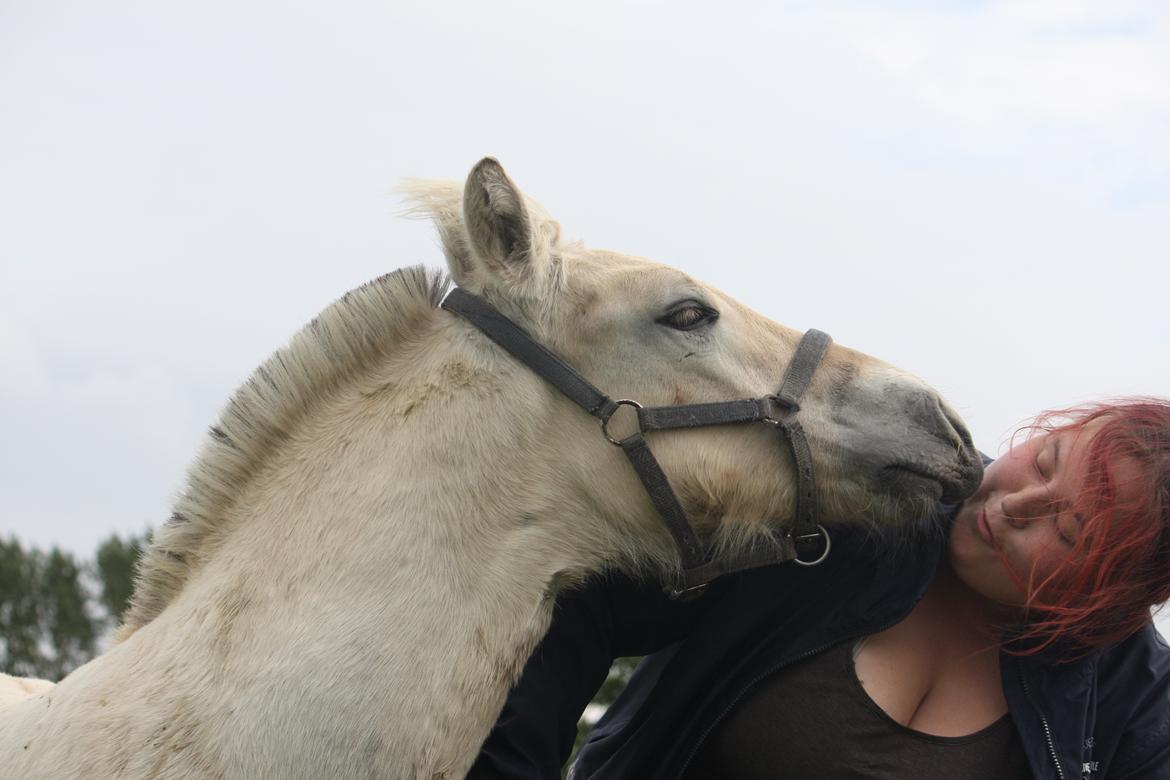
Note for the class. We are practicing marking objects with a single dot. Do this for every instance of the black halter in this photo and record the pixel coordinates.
(778, 410)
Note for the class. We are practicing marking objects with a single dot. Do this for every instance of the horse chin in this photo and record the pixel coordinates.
(949, 486)
(912, 484)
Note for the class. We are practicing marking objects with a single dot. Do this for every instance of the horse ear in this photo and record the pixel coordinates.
(497, 222)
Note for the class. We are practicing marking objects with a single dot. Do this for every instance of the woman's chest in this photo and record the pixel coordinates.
(813, 719)
(932, 680)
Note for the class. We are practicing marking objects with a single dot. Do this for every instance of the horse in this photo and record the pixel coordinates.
(14, 689)
(370, 541)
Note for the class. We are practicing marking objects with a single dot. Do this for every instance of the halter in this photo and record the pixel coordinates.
(777, 410)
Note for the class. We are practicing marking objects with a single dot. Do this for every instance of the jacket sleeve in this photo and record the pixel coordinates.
(1156, 765)
(1144, 749)
(1147, 753)
(610, 618)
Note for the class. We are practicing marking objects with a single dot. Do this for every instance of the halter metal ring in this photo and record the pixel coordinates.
(824, 553)
(605, 421)
(786, 408)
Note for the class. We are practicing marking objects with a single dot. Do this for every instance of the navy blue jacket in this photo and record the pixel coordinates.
(1105, 715)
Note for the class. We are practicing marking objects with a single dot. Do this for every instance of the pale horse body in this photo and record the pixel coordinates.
(14, 689)
(369, 543)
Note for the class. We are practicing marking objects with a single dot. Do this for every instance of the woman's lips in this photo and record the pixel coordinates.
(984, 528)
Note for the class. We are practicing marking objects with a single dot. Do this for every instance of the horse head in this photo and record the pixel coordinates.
(885, 447)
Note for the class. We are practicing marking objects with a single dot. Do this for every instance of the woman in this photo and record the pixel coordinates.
(1019, 644)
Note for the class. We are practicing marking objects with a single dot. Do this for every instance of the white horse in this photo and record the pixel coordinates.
(370, 541)
(14, 689)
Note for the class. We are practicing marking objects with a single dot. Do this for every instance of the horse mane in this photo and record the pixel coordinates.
(345, 339)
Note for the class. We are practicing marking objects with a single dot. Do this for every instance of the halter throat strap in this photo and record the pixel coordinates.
(778, 410)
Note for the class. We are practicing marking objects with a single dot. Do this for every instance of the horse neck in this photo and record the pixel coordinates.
(409, 539)
(431, 512)
(447, 483)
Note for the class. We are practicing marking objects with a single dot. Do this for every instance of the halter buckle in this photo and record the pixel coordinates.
(821, 532)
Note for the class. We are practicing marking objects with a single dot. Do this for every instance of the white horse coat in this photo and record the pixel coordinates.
(371, 539)
(14, 689)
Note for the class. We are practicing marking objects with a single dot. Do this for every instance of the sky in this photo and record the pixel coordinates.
(978, 192)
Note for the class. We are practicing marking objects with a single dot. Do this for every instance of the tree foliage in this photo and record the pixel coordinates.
(65, 618)
(54, 609)
(20, 610)
(116, 561)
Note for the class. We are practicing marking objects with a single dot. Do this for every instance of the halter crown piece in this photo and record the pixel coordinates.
(778, 410)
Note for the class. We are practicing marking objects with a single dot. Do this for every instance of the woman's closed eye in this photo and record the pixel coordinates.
(1045, 461)
(1068, 528)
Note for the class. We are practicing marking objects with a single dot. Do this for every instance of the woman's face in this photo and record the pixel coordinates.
(1021, 516)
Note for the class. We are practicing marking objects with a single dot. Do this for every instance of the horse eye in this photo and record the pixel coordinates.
(689, 317)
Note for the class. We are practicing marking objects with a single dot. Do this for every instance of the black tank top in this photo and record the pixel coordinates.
(813, 720)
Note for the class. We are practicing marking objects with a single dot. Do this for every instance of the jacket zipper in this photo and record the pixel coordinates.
(1043, 722)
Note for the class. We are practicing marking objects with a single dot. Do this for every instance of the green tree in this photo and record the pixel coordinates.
(46, 629)
(117, 559)
(66, 619)
(49, 620)
(20, 610)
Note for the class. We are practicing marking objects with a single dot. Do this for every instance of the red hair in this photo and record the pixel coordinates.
(1120, 566)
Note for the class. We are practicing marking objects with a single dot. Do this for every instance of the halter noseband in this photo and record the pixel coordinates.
(778, 410)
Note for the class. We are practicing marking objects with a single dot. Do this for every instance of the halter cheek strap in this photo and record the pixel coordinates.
(778, 410)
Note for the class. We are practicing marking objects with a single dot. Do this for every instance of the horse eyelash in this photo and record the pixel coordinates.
(708, 316)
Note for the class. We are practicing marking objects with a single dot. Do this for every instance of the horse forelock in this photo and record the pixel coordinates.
(335, 347)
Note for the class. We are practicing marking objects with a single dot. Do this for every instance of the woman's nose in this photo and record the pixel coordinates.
(1026, 505)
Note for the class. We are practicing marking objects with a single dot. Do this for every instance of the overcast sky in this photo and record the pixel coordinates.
(977, 192)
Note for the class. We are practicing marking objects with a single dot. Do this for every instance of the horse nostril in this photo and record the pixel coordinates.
(952, 429)
(958, 427)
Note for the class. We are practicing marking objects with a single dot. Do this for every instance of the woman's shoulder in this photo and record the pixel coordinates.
(1133, 690)
(1135, 673)
(1144, 657)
